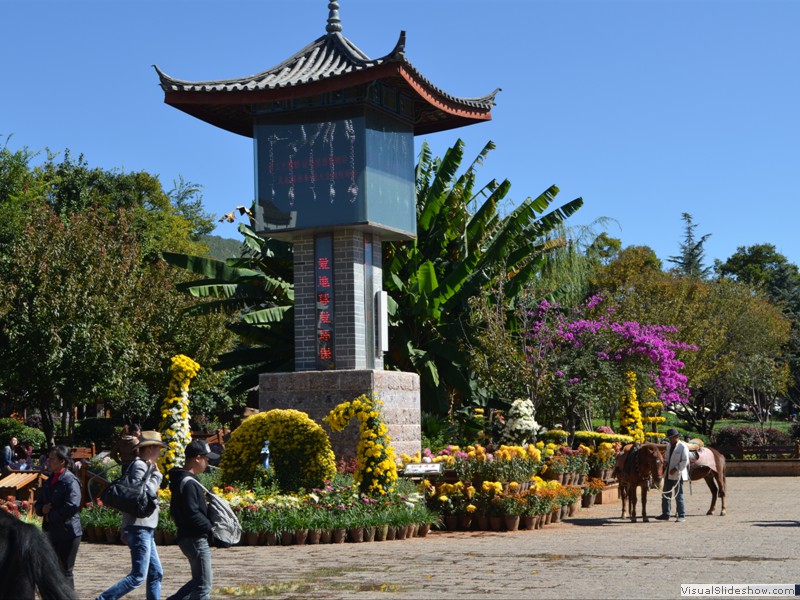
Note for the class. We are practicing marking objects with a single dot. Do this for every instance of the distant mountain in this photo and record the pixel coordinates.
(222, 248)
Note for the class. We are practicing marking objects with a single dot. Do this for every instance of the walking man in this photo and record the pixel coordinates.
(676, 461)
(190, 512)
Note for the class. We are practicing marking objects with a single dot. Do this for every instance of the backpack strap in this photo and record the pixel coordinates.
(190, 478)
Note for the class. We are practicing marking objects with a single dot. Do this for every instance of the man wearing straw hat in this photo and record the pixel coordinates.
(138, 532)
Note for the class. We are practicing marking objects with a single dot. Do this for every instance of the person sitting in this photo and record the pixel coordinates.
(24, 460)
(124, 448)
(9, 456)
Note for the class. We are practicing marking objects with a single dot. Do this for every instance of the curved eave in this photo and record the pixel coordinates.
(434, 109)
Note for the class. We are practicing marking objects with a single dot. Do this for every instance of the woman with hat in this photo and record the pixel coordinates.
(676, 461)
(138, 532)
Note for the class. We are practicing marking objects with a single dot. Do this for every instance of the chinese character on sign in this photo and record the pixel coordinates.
(323, 264)
(324, 299)
(325, 353)
(324, 335)
(325, 317)
(324, 282)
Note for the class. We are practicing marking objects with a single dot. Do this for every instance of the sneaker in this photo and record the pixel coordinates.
(680, 519)
(662, 518)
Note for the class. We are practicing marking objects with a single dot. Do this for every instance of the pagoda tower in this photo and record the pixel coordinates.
(333, 132)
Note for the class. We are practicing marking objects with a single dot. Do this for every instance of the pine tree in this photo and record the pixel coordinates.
(689, 262)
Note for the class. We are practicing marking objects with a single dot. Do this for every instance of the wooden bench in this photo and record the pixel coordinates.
(85, 452)
(774, 451)
(22, 485)
(217, 437)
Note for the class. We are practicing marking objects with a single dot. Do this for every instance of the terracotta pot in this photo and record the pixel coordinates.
(423, 529)
(412, 530)
(158, 536)
(400, 532)
(391, 531)
(314, 536)
(527, 522)
(369, 533)
(355, 534)
(555, 516)
(271, 538)
(300, 536)
(464, 522)
(573, 508)
(111, 535)
(482, 523)
(451, 522)
(381, 531)
(326, 536)
(495, 523)
(511, 522)
(170, 538)
(587, 501)
(539, 521)
(250, 538)
(581, 479)
(339, 535)
(565, 511)
(287, 538)
(548, 518)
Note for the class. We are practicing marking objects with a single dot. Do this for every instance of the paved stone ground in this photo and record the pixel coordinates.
(592, 555)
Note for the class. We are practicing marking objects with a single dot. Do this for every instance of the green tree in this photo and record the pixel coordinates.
(689, 263)
(84, 316)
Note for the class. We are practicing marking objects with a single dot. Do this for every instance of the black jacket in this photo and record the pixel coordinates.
(63, 522)
(188, 506)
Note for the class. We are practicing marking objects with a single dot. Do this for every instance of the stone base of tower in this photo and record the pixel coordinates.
(318, 392)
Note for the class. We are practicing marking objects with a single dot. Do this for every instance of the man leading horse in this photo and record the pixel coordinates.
(676, 461)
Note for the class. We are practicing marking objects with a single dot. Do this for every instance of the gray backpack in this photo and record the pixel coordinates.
(225, 528)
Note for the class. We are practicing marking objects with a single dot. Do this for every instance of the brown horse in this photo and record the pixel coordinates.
(638, 466)
(714, 477)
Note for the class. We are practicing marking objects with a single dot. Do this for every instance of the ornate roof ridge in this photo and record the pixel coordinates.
(327, 56)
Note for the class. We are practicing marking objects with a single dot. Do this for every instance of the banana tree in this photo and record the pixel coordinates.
(256, 289)
(463, 247)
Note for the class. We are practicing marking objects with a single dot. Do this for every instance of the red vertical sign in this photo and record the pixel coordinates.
(323, 276)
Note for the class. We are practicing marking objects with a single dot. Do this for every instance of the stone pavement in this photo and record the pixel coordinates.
(592, 555)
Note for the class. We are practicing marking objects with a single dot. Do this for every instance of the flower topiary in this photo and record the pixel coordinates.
(630, 417)
(175, 413)
(300, 451)
(376, 470)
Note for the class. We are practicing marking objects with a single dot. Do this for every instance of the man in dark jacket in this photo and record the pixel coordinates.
(189, 510)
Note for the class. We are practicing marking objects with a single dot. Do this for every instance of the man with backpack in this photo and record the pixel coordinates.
(189, 510)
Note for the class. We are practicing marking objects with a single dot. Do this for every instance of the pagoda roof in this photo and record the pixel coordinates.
(330, 63)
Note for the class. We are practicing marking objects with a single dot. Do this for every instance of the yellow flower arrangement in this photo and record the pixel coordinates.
(175, 413)
(300, 451)
(630, 418)
(376, 470)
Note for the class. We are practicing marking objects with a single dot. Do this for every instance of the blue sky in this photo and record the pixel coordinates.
(647, 109)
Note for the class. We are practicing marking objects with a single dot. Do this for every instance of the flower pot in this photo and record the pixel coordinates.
(381, 531)
(355, 534)
(158, 536)
(581, 479)
(495, 523)
(464, 522)
(390, 533)
(482, 523)
(287, 538)
(546, 518)
(400, 532)
(271, 538)
(339, 535)
(539, 521)
(511, 522)
(412, 530)
(573, 508)
(326, 536)
(111, 535)
(170, 538)
(369, 534)
(451, 522)
(423, 529)
(250, 538)
(527, 523)
(314, 536)
(565, 511)
(300, 536)
(587, 501)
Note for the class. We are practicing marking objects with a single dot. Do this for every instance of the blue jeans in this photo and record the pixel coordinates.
(144, 565)
(199, 555)
(666, 499)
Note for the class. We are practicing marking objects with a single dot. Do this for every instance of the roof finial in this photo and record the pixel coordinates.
(334, 23)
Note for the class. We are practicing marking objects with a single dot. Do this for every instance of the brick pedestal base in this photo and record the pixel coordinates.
(318, 392)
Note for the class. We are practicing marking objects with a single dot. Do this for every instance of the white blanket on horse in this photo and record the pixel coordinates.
(705, 458)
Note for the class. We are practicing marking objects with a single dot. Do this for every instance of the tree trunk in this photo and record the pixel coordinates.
(47, 422)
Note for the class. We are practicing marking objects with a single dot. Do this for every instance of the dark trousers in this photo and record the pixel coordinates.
(66, 550)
